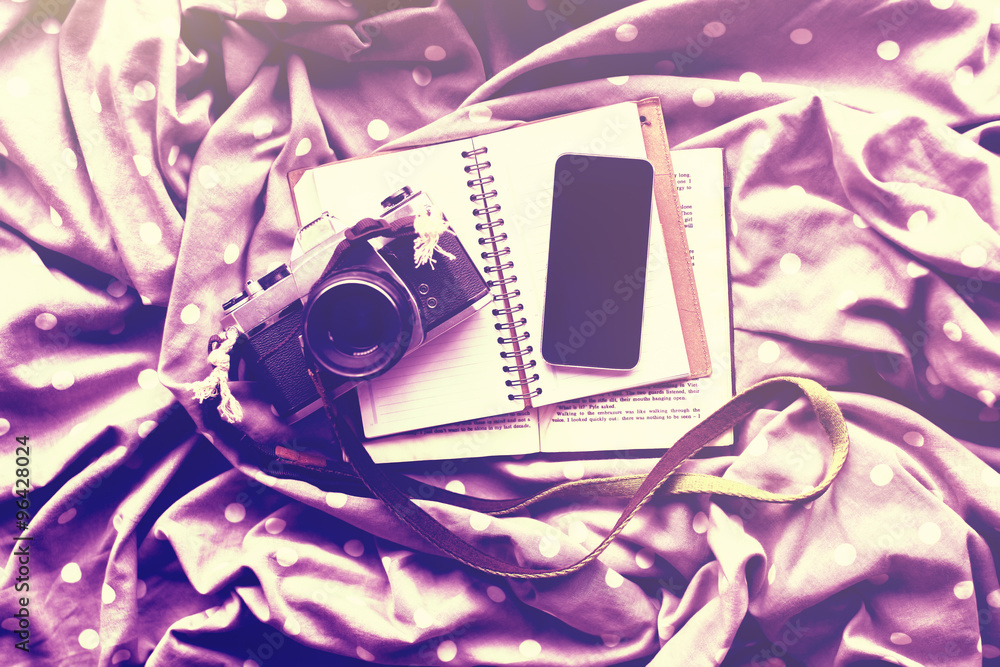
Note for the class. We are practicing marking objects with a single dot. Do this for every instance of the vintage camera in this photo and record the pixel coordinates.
(353, 299)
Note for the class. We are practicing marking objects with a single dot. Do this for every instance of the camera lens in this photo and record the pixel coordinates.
(357, 324)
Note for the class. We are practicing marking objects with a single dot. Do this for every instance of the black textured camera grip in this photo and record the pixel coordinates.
(281, 366)
(456, 283)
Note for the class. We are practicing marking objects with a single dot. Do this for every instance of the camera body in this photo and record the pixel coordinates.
(353, 299)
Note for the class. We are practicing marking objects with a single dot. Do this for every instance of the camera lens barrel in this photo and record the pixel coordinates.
(358, 323)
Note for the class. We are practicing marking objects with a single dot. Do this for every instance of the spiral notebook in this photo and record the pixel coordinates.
(496, 190)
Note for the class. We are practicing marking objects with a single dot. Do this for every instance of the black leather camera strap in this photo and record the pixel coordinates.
(663, 478)
(363, 230)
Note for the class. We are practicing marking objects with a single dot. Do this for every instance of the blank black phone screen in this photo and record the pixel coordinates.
(595, 285)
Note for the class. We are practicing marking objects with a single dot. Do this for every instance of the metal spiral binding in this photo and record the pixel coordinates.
(499, 273)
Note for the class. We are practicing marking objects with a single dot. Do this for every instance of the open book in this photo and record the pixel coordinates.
(495, 384)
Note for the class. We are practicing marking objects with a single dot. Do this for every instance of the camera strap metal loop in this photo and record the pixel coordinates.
(663, 478)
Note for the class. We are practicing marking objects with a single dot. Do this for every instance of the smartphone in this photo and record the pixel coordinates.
(595, 282)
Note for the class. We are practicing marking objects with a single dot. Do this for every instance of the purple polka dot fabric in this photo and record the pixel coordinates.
(144, 155)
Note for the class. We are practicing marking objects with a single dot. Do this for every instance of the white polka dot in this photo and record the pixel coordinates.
(274, 525)
(881, 474)
(235, 512)
(71, 573)
(55, 217)
(757, 446)
(421, 75)
(208, 176)
(952, 331)
(665, 67)
(434, 53)
(768, 352)
(645, 558)
(846, 299)
(144, 91)
(548, 547)
(422, 619)
(455, 486)
(573, 470)
(262, 129)
(790, 263)
(67, 516)
(51, 26)
(859, 222)
(578, 531)
(750, 78)
(150, 233)
(990, 651)
(929, 533)
(887, 50)
(190, 313)
(942, 4)
(772, 573)
(845, 554)
(989, 415)
(987, 397)
(447, 650)
(140, 589)
(613, 579)
(365, 654)
(149, 378)
(18, 87)
(801, 35)
(703, 97)
(618, 80)
(231, 254)
(336, 500)
(46, 321)
(917, 221)
(286, 556)
(714, 29)
(117, 288)
(480, 521)
(879, 579)
(172, 155)
(89, 639)
(916, 270)
(480, 114)
(964, 590)
(275, 10)
(142, 165)
(116, 522)
(529, 648)
(304, 146)
(146, 427)
(626, 32)
(900, 638)
(354, 548)
(292, 627)
(974, 256)
(62, 380)
(993, 599)
(107, 594)
(69, 158)
(700, 523)
(496, 594)
(124, 654)
(183, 55)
